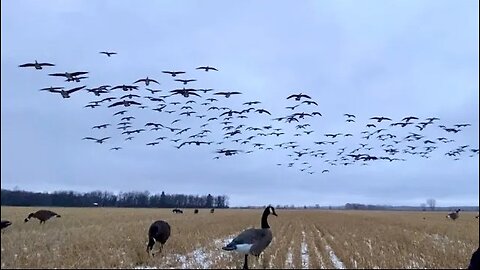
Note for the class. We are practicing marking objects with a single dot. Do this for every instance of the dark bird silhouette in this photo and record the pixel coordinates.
(159, 231)
(380, 119)
(185, 81)
(108, 53)
(173, 73)
(349, 115)
(308, 102)
(66, 93)
(298, 96)
(125, 103)
(253, 241)
(37, 65)
(70, 76)
(146, 81)
(227, 94)
(407, 119)
(207, 68)
(100, 141)
(42, 215)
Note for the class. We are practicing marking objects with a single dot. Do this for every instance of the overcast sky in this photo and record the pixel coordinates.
(367, 58)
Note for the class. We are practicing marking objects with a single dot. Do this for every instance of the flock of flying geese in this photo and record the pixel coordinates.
(378, 142)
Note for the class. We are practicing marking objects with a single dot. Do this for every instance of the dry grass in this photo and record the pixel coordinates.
(116, 238)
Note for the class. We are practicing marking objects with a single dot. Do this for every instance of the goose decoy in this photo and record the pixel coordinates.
(146, 81)
(37, 65)
(253, 241)
(207, 68)
(159, 231)
(454, 215)
(108, 53)
(5, 224)
(42, 215)
(173, 73)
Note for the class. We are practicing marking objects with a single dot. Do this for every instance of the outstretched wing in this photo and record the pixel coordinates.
(27, 65)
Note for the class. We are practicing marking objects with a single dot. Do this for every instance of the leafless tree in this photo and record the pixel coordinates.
(431, 203)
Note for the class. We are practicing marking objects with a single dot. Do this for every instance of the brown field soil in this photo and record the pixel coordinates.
(117, 238)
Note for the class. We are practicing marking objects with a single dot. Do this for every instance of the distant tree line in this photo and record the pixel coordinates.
(109, 199)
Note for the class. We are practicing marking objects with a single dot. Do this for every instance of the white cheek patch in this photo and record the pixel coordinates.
(243, 248)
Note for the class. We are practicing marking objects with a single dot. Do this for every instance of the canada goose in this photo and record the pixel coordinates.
(227, 94)
(253, 241)
(298, 96)
(185, 81)
(207, 68)
(42, 215)
(212, 210)
(380, 119)
(5, 224)
(36, 65)
(70, 76)
(475, 260)
(146, 81)
(108, 53)
(158, 231)
(124, 102)
(177, 211)
(195, 211)
(66, 93)
(454, 215)
(100, 141)
(173, 73)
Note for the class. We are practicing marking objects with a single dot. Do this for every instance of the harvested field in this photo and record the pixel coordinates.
(117, 238)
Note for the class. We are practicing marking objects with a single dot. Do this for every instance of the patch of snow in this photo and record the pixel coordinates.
(289, 259)
(335, 261)
(304, 254)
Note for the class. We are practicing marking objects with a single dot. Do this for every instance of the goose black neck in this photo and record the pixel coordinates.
(264, 218)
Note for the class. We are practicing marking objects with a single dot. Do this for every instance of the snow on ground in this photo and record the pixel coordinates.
(289, 259)
(304, 254)
(335, 261)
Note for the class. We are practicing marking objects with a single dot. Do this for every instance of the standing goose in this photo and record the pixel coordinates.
(158, 231)
(253, 241)
(42, 215)
(454, 215)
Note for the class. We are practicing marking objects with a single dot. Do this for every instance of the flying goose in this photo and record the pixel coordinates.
(42, 215)
(124, 102)
(227, 94)
(66, 93)
(146, 81)
(71, 76)
(158, 231)
(207, 68)
(100, 141)
(173, 73)
(298, 96)
(36, 65)
(108, 53)
(253, 241)
(185, 81)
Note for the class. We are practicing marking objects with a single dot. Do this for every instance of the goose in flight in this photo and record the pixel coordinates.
(185, 81)
(227, 94)
(125, 87)
(146, 81)
(66, 93)
(125, 103)
(51, 88)
(117, 148)
(37, 65)
(308, 102)
(101, 126)
(349, 115)
(380, 119)
(108, 53)
(207, 68)
(100, 141)
(298, 96)
(153, 91)
(185, 92)
(70, 76)
(173, 73)
(407, 119)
